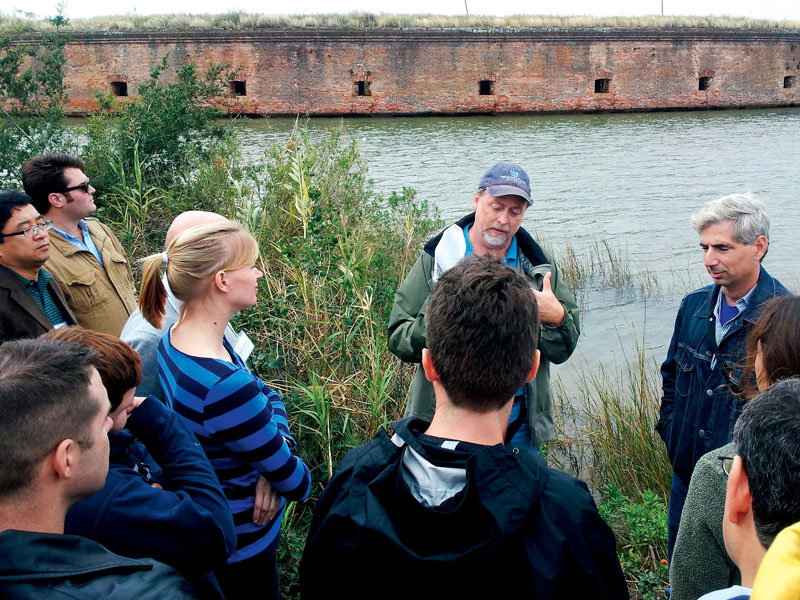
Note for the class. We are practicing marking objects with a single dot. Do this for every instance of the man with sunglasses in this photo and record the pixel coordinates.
(30, 300)
(87, 259)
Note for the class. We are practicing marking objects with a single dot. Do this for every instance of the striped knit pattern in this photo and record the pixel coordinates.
(41, 294)
(241, 424)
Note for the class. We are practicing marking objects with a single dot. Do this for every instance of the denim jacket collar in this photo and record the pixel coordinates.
(766, 289)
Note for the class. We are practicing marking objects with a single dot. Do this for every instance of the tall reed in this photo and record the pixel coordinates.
(606, 431)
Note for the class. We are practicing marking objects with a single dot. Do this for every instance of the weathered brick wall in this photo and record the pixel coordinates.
(299, 71)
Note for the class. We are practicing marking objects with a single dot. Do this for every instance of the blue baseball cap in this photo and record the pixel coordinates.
(507, 179)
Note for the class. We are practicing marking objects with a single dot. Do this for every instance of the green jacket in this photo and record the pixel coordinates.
(407, 329)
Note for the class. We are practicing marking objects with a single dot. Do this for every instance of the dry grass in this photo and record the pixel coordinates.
(28, 22)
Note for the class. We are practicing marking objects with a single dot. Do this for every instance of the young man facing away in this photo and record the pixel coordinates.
(445, 505)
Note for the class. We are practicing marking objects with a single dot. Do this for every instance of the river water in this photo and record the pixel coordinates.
(632, 180)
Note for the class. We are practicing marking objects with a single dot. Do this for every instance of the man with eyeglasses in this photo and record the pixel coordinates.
(30, 300)
(763, 478)
(87, 259)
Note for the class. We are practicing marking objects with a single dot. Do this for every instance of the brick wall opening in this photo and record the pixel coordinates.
(486, 87)
(119, 88)
(602, 85)
(238, 88)
(362, 88)
(789, 81)
(704, 84)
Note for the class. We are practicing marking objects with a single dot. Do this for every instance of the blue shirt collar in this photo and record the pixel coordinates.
(511, 254)
(71, 238)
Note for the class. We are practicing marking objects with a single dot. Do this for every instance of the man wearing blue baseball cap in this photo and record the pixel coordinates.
(493, 229)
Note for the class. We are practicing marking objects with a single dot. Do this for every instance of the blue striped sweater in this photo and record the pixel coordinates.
(242, 426)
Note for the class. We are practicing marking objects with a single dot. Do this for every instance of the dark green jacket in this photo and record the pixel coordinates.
(407, 330)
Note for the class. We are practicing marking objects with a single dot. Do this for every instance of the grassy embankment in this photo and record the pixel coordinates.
(248, 21)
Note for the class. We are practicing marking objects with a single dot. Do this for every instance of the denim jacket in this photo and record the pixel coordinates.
(698, 410)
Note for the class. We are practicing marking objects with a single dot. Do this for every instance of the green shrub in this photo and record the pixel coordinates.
(333, 255)
(32, 99)
(640, 526)
(169, 124)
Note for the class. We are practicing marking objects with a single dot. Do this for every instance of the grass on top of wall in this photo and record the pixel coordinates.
(21, 22)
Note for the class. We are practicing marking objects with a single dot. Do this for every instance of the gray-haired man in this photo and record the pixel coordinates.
(493, 229)
(700, 374)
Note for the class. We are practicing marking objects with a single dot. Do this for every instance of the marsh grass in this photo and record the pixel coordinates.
(599, 264)
(606, 430)
(333, 255)
(237, 20)
(605, 434)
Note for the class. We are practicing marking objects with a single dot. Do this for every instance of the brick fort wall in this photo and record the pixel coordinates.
(410, 72)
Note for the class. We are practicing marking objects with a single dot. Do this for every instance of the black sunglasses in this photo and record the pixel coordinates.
(81, 186)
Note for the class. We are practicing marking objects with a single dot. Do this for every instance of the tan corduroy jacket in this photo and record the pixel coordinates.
(101, 296)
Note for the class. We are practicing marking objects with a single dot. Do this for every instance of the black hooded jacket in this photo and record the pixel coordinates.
(516, 528)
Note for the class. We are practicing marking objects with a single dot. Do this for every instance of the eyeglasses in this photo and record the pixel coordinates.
(727, 463)
(81, 186)
(31, 231)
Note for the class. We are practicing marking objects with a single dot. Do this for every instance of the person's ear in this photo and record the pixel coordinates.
(761, 244)
(56, 200)
(738, 501)
(220, 281)
(475, 201)
(64, 458)
(427, 366)
(535, 368)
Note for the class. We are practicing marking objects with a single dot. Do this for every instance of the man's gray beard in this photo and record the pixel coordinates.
(495, 241)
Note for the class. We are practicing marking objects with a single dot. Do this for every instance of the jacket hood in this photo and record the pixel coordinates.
(479, 517)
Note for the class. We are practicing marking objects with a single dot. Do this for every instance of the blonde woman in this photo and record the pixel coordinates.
(240, 422)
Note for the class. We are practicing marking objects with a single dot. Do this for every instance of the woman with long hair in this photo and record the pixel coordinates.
(700, 563)
(240, 422)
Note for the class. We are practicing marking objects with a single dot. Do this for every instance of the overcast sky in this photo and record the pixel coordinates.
(768, 9)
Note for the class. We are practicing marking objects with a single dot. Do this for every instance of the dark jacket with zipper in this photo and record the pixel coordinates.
(517, 528)
(187, 525)
(44, 566)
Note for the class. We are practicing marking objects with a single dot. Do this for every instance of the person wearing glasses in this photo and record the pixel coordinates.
(763, 476)
(87, 260)
(31, 302)
(700, 562)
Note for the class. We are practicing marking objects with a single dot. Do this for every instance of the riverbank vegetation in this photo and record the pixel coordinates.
(333, 253)
(236, 20)
(605, 435)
